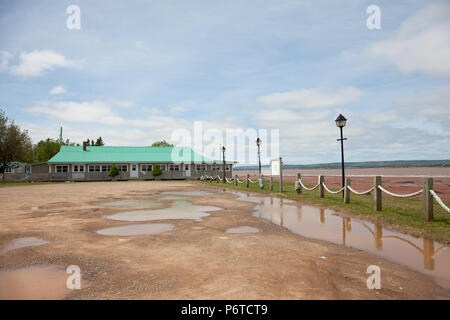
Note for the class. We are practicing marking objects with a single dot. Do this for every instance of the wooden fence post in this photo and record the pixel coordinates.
(281, 175)
(322, 189)
(347, 190)
(271, 183)
(235, 180)
(377, 193)
(427, 199)
(298, 185)
(246, 181)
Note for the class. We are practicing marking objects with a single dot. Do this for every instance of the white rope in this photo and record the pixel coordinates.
(340, 190)
(401, 195)
(306, 188)
(239, 181)
(439, 201)
(229, 180)
(364, 192)
(251, 181)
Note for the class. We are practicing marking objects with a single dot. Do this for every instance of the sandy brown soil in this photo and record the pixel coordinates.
(187, 263)
(398, 180)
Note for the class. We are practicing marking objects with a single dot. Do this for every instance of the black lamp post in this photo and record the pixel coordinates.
(340, 122)
(223, 175)
(258, 143)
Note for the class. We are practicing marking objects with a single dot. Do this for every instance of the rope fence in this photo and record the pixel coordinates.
(427, 192)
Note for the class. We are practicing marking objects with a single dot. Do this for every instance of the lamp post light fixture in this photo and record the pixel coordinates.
(224, 165)
(258, 143)
(340, 123)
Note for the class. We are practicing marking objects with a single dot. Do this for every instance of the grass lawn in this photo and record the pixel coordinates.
(14, 184)
(404, 215)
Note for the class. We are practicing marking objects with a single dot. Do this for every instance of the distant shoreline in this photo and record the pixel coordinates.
(362, 165)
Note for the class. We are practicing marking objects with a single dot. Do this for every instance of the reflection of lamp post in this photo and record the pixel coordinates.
(340, 122)
(258, 143)
(223, 176)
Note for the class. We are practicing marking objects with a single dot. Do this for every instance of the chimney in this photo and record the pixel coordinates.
(84, 145)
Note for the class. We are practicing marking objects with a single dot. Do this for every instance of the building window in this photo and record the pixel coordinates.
(162, 167)
(216, 167)
(174, 167)
(186, 167)
(122, 167)
(228, 167)
(78, 168)
(146, 167)
(27, 169)
(200, 167)
(8, 170)
(62, 168)
(106, 167)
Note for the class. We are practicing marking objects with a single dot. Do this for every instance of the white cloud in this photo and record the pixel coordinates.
(422, 43)
(59, 89)
(312, 98)
(36, 63)
(84, 112)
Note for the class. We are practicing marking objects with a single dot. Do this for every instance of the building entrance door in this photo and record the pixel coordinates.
(134, 174)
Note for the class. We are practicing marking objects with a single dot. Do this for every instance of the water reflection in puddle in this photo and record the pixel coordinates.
(136, 229)
(179, 210)
(22, 243)
(242, 229)
(189, 193)
(132, 203)
(421, 254)
(34, 283)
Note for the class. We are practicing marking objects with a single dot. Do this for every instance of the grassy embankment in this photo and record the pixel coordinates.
(400, 214)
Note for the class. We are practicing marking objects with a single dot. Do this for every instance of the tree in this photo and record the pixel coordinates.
(15, 144)
(156, 171)
(162, 143)
(99, 142)
(45, 150)
(113, 172)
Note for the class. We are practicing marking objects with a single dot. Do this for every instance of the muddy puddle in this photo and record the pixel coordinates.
(178, 210)
(424, 255)
(242, 229)
(129, 203)
(188, 193)
(34, 283)
(136, 229)
(22, 243)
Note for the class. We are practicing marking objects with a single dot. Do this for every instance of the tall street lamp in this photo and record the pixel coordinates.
(223, 174)
(258, 143)
(340, 122)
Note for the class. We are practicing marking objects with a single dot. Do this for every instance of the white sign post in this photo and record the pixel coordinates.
(276, 170)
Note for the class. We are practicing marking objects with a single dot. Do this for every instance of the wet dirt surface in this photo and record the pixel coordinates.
(242, 229)
(33, 283)
(133, 203)
(179, 210)
(184, 263)
(22, 243)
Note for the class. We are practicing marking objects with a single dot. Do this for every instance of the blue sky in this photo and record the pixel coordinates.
(137, 70)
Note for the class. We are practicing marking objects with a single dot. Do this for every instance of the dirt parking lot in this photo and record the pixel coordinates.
(196, 259)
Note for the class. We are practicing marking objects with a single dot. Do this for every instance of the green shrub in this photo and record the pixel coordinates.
(113, 172)
(156, 171)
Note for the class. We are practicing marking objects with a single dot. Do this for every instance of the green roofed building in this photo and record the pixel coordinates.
(92, 163)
